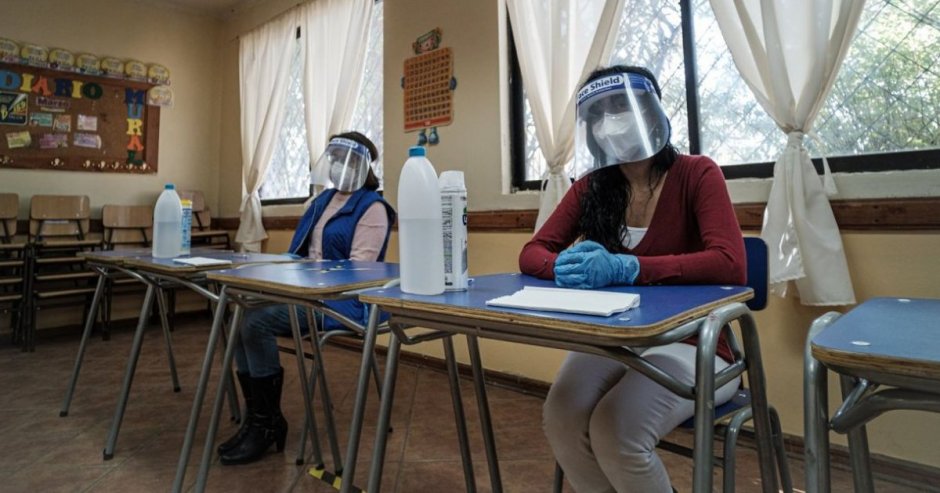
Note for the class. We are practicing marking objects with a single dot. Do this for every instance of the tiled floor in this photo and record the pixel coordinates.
(41, 452)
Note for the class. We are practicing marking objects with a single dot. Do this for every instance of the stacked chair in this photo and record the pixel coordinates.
(12, 266)
(56, 274)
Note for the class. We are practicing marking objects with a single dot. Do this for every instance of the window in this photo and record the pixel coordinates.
(287, 179)
(881, 113)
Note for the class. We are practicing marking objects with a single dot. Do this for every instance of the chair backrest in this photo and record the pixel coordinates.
(202, 217)
(9, 209)
(757, 267)
(59, 215)
(127, 224)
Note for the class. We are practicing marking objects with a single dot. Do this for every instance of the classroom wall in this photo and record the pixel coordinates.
(476, 144)
(183, 41)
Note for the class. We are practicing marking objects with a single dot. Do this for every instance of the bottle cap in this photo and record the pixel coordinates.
(169, 186)
(451, 180)
(416, 151)
(186, 203)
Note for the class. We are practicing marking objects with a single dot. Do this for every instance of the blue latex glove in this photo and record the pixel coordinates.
(588, 265)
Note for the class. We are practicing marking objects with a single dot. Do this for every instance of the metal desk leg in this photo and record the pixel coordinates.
(459, 417)
(858, 448)
(162, 307)
(816, 412)
(385, 411)
(362, 389)
(703, 464)
(759, 406)
(129, 373)
(89, 324)
(489, 441)
(304, 385)
(201, 391)
(318, 372)
(219, 397)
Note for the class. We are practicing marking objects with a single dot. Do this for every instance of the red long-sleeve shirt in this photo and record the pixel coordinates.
(693, 237)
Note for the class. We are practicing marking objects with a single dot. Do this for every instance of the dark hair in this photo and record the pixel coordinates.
(372, 182)
(608, 195)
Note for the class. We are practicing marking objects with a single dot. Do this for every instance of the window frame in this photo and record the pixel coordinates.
(861, 163)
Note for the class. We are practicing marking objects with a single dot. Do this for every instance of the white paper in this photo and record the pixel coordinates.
(587, 302)
(201, 261)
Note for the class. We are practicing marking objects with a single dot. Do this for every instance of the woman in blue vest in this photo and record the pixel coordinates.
(348, 221)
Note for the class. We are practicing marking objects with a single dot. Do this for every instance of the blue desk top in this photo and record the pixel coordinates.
(120, 257)
(308, 279)
(895, 335)
(661, 307)
(168, 266)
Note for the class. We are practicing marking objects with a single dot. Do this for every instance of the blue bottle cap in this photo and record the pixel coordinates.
(169, 186)
(416, 151)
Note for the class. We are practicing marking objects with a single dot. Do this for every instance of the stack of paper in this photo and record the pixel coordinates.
(201, 261)
(587, 302)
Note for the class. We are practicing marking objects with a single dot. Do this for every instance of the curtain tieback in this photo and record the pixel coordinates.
(251, 197)
(795, 139)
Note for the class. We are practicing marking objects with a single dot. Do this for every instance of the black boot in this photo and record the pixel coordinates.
(251, 408)
(267, 426)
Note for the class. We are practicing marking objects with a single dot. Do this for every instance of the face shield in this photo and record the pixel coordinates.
(620, 120)
(347, 162)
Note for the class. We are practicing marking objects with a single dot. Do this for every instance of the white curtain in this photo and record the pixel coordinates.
(789, 54)
(336, 35)
(264, 72)
(559, 43)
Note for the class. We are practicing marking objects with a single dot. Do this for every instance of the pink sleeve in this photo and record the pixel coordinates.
(370, 234)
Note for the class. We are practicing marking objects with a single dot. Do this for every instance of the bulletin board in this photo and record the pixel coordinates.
(428, 89)
(54, 120)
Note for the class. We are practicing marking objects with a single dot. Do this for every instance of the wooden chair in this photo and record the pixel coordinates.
(124, 226)
(12, 265)
(58, 232)
(202, 233)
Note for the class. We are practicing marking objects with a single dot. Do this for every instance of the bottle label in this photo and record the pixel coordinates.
(454, 222)
(186, 226)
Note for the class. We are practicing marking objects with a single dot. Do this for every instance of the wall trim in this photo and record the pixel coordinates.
(903, 214)
(883, 467)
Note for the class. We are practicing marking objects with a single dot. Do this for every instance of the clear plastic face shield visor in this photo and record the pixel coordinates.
(348, 164)
(620, 120)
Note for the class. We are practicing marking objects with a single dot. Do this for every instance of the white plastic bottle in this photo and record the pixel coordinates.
(186, 226)
(421, 251)
(167, 223)
(454, 217)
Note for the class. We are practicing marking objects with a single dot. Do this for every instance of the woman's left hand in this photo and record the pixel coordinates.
(588, 265)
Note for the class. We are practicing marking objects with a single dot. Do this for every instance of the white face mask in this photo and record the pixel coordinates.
(615, 135)
(342, 177)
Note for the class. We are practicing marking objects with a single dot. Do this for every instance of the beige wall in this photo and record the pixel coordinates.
(189, 131)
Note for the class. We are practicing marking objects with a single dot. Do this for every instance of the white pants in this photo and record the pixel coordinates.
(603, 420)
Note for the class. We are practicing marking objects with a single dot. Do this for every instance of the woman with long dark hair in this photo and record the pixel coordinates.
(644, 214)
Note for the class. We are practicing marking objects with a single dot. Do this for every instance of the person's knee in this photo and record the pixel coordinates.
(563, 416)
(255, 326)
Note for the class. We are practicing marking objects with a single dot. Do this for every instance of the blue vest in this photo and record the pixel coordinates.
(338, 235)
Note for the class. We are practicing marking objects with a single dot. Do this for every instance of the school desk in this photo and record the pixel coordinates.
(155, 274)
(306, 284)
(666, 314)
(885, 351)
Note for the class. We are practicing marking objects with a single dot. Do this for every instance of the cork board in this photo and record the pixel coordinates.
(428, 92)
(67, 121)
